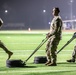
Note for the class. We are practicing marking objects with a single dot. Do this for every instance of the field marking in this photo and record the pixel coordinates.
(33, 50)
(23, 32)
(35, 71)
(34, 31)
(23, 43)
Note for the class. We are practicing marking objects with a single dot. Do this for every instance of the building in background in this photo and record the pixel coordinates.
(69, 25)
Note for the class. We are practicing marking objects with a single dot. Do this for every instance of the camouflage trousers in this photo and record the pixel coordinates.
(51, 49)
(74, 53)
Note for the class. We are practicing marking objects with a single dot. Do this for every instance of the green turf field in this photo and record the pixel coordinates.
(23, 43)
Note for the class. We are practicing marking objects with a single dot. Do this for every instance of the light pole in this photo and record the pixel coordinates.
(71, 3)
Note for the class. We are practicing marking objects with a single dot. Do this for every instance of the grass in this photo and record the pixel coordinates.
(23, 43)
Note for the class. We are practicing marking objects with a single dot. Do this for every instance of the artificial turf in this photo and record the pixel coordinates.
(23, 43)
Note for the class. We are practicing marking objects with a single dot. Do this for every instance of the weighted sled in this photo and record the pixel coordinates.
(20, 63)
(15, 63)
(40, 59)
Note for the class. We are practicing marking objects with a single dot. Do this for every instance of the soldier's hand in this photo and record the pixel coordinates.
(47, 35)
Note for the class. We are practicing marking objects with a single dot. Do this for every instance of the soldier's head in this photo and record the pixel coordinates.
(55, 11)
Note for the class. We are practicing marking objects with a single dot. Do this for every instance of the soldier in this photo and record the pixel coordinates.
(3, 46)
(73, 55)
(54, 37)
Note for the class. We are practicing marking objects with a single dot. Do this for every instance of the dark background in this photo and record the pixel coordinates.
(24, 14)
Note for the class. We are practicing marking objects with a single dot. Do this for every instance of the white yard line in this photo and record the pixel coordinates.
(34, 71)
(33, 50)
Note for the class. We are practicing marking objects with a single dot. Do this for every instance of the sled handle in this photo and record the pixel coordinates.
(43, 41)
(73, 37)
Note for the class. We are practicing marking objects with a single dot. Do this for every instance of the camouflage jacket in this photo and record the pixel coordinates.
(56, 27)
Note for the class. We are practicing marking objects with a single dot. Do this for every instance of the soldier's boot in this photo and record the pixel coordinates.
(48, 62)
(9, 54)
(73, 57)
(48, 59)
(53, 62)
(71, 60)
(6, 50)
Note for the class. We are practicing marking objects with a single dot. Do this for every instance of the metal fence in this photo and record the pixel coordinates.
(69, 25)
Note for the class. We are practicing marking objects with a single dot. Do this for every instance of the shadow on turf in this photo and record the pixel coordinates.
(67, 64)
(54, 73)
(24, 67)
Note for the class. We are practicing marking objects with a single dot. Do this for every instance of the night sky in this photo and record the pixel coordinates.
(30, 12)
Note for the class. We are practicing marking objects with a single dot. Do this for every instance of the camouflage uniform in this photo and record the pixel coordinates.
(74, 53)
(53, 41)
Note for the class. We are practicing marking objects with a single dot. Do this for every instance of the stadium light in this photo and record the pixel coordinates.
(49, 23)
(6, 11)
(44, 11)
(71, 1)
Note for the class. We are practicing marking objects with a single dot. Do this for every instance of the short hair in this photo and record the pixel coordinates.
(57, 9)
